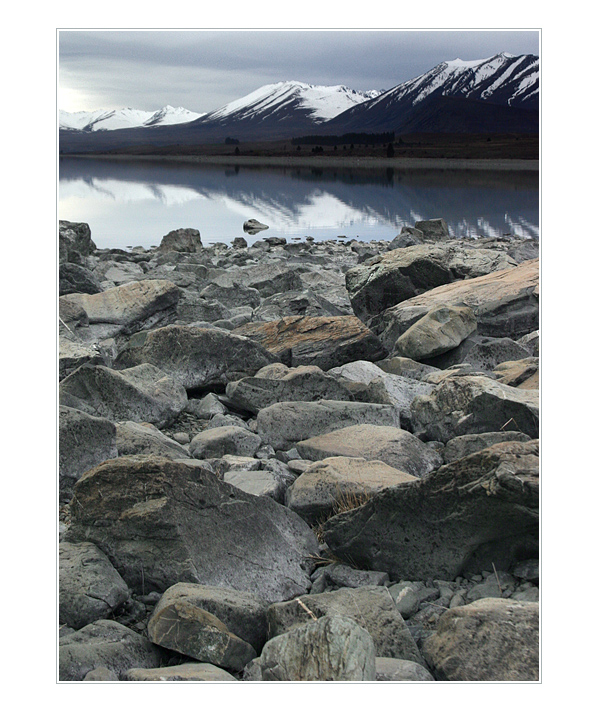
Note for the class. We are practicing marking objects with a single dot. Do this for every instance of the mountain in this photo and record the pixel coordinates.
(499, 94)
(476, 87)
(112, 120)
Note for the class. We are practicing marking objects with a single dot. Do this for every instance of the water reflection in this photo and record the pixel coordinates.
(137, 202)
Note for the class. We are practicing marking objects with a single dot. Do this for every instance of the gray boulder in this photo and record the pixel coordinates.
(473, 513)
(242, 613)
(226, 440)
(181, 672)
(345, 653)
(74, 241)
(141, 393)
(89, 587)
(463, 446)
(196, 356)
(489, 640)
(303, 303)
(435, 228)
(161, 522)
(462, 405)
(145, 439)
(282, 425)
(186, 240)
(370, 607)
(253, 226)
(76, 278)
(303, 383)
(391, 669)
(104, 644)
(84, 441)
(391, 445)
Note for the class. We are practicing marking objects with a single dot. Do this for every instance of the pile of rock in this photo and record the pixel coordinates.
(294, 462)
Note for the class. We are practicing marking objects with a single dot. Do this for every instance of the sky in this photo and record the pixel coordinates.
(204, 70)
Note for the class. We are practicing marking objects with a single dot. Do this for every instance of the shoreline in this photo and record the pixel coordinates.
(332, 162)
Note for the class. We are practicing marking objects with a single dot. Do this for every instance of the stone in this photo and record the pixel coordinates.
(161, 522)
(440, 330)
(104, 644)
(182, 672)
(523, 373)
(242, 613)
(101, 674)
(339, 482)
(463, 446)
(140, 393)
(435, 228)
(84, 442)
(296, 303)
(371, 607)
(282, 425)
(90, 588)
(145, 439)
(268, 278)
(462, 405)
(73, 354)
(489, 640)
(390, 669)
(302, 383)
(505, 302)
(402, 366)
(482, 353)
(337, 575)
(178, 624)
(232, 296)
(74, 241)
(186, 240)
(391, 445)
(206, 407)
(260, 483)
(531, 342)
(125, 309)
(345, 653)
(226, 440)
(325, 342)
(468, 515)
(76, 278)
(253, 226)
(197, 356)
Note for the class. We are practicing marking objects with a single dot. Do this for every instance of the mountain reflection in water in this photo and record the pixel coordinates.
(137, 202)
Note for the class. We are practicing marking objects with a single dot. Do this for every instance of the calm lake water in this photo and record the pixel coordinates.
(132, 203)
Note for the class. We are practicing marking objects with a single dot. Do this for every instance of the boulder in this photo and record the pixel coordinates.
(339, 482)
(302, 383)
(282, 425)
(268, 278)
(482, 353)
(104, 644)
(76, 278)
(242, 613)
(74, 241)
(462, 405)
(478, 512)
(161, 522)
(179, 625)
(73, 354)
(84, 441)
(253, 226)
(523, 373)
(182, 672)
(393, 446)
(505, 302)
(125, 309)
(89, 587)
(338, 575)
(145, 439)
(141, 393)
(325, 342)
(196, 356)
(370, 607)
(435, 228)
(296, 303)
(345, 653)
(231, 295)
(185, 240)
(226, 440)
(440, 330)
(463, 446)
(489, 640)
(262, 483)
(402, 274)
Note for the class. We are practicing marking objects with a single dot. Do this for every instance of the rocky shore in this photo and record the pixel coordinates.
(299, 461)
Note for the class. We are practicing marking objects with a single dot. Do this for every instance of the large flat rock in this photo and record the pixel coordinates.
(161, 522)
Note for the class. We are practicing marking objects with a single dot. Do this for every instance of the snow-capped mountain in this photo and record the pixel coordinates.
(112, 119)
(282, 100)
(502, 80)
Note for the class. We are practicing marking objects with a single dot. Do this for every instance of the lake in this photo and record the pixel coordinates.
(135, 203)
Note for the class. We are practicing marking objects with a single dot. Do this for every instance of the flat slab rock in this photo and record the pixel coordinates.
(182, 672)
(161, 522)
(326, 342)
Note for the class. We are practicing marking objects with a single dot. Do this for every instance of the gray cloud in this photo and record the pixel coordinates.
(202, 70)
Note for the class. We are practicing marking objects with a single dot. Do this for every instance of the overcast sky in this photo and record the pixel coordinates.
(203, 70)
